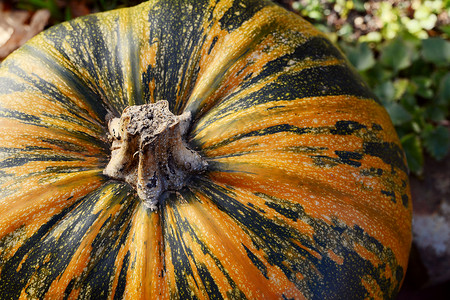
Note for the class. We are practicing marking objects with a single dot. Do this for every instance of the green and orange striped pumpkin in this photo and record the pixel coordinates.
(306, 193)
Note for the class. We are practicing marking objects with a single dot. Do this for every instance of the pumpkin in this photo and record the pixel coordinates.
(300, 188)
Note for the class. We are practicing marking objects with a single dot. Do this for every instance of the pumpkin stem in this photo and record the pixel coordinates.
(149, 153)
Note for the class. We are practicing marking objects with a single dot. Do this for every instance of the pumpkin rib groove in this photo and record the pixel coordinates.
(86, 99)
(176, 47)
(288, 87)
(9, 282)
(62, 255)
(199, 242)
(53, 92)
(222, 65)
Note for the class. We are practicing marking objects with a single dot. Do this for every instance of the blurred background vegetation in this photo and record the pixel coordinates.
(401, 48)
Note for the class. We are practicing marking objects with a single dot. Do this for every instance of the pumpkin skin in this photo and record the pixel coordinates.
(306, 193)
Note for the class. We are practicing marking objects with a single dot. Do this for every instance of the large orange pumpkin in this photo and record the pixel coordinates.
(303, 190)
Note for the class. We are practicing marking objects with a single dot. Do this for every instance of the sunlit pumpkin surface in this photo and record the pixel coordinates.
(306, 193)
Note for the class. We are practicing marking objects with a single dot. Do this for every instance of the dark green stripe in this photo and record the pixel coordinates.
(347, 127)
(21, 117)
(316, 49)
(177, 47)
(65, 145)
(256, 261)
(261, 132)
(390, 153)
(180, 253)
(213, 43)
(331, 80)
(405, 200)
(241, 11)
(208, 281)
(69, 288)
(372, 172)
(22, 160)
(9, 85)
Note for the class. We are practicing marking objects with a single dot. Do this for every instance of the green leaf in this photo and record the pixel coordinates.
(371, 37)
(423, 85)
(378, 74)
(400, 86)
(68, 14)
(414, 154)
(359, 5)
(419, 67)
(445, 29)
(437, 141)
(397, 55)
(398, 113)
(443, 95)
(361, 56)
(385, 91)
(435, 113)
(436, 50)
(345, 31)
(408, 101)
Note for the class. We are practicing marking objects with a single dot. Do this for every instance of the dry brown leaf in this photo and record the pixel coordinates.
(17, 27)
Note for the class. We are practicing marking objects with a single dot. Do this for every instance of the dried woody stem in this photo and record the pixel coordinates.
(149, 153)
